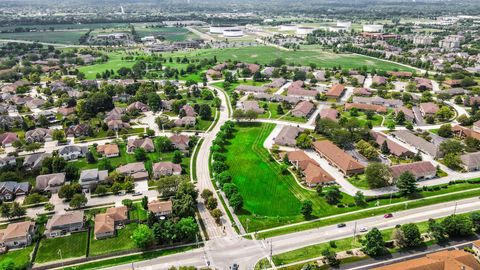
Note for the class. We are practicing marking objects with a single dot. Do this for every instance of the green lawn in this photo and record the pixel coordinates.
(121, 241)
(137, 213)
(265, 54)
(270, 198)
(169, 33)
(49, 248)
(362, 118)
(21, 257)
(115, 62)
(359, 181)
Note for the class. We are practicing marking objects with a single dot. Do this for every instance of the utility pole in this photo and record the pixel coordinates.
(455, 208)
(354, 231)
(60, 253)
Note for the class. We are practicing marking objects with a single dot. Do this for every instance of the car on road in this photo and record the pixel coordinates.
(389, 215)
(234, 266)
(341, 225)
(137, 194)
(363, 229)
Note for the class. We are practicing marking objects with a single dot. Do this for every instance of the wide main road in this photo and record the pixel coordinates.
(222, 252)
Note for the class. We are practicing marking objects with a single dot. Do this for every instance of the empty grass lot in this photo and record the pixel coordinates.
(115, 62)
(121, 241)
(72, 246)
(270, 198)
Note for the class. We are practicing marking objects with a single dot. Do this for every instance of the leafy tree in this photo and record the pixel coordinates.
(229, 189)
(359, 199)
(458, 226)
(452, 160)
(143, 236)
(163, 144)
(374, 245)
(377, 175)
(206, 193)
(307, 208)
(205, 112)
(145, 202)
(436, 231)
(475, 216)
(400, 118)
(304, 141)
(398, 236)
(413, 237)
(384, 148)
(187, 228)
(217, 215)
(78, 200)
(128, 203)
(177, 157)
(451, 146)
(330, 258)
(236, 201)
(184, 206)
(333, 195)
(140, 154)
(67, 191)
(406, 183)
(71, 172)
(445, 131)
(211, 203)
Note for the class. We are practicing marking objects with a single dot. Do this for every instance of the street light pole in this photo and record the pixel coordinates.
(354, 231)
(455, 208)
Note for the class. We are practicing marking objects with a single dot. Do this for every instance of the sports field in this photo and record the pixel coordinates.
(320, 57)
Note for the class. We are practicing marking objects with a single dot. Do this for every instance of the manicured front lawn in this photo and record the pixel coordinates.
(122, 241)
(72, 246)
(20, 257)
(362, 118)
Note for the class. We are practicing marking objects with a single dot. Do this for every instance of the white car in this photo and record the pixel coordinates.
(363, 229)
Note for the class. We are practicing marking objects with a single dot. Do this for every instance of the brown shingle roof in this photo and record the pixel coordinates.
(366, 107)
(343, 160)
(15, 230)
(418, 169)
(336, 91)
(443, 260)
(160, 206)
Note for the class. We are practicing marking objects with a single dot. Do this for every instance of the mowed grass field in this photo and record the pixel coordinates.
(170, 33)
(72, 246)
(115, 62)
(270, 198)
(266, 54)
(61, 37)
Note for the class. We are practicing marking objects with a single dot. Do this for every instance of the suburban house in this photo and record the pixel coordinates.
(160, 208)
(423, 84)
(136, 170)
(421, 170)
(295, 90)
(366, 107)
(8, 161)
(252, 105)
(394, 148)
(338, 158)
(17, 234)
(464, 132)
(146, 144)
(471, 161)
(62, 224)
(166, 168)
(7, 138)
(362, 92)
(476, 126)
(418, 142)
(65, 111)
(108, 150)
(189, 111)
(180, 142)
(336, 91)
(9, 190)
(92, 176)
(400, 74)
(106, 223)
(138, 106)
(428, 108)
(50, 182)
(393, 103)
(34, 161)
(72, 152)
(360, 78)
(276, 83)
(409, 115)
(39, 135)
(287, 136)
(379, 80)
(303, 109)
(80, 130)
(187, 121)
(441, 260)
(117, 124)
(329, 113)
(250, 89)
(314, 174)
(115, 114)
